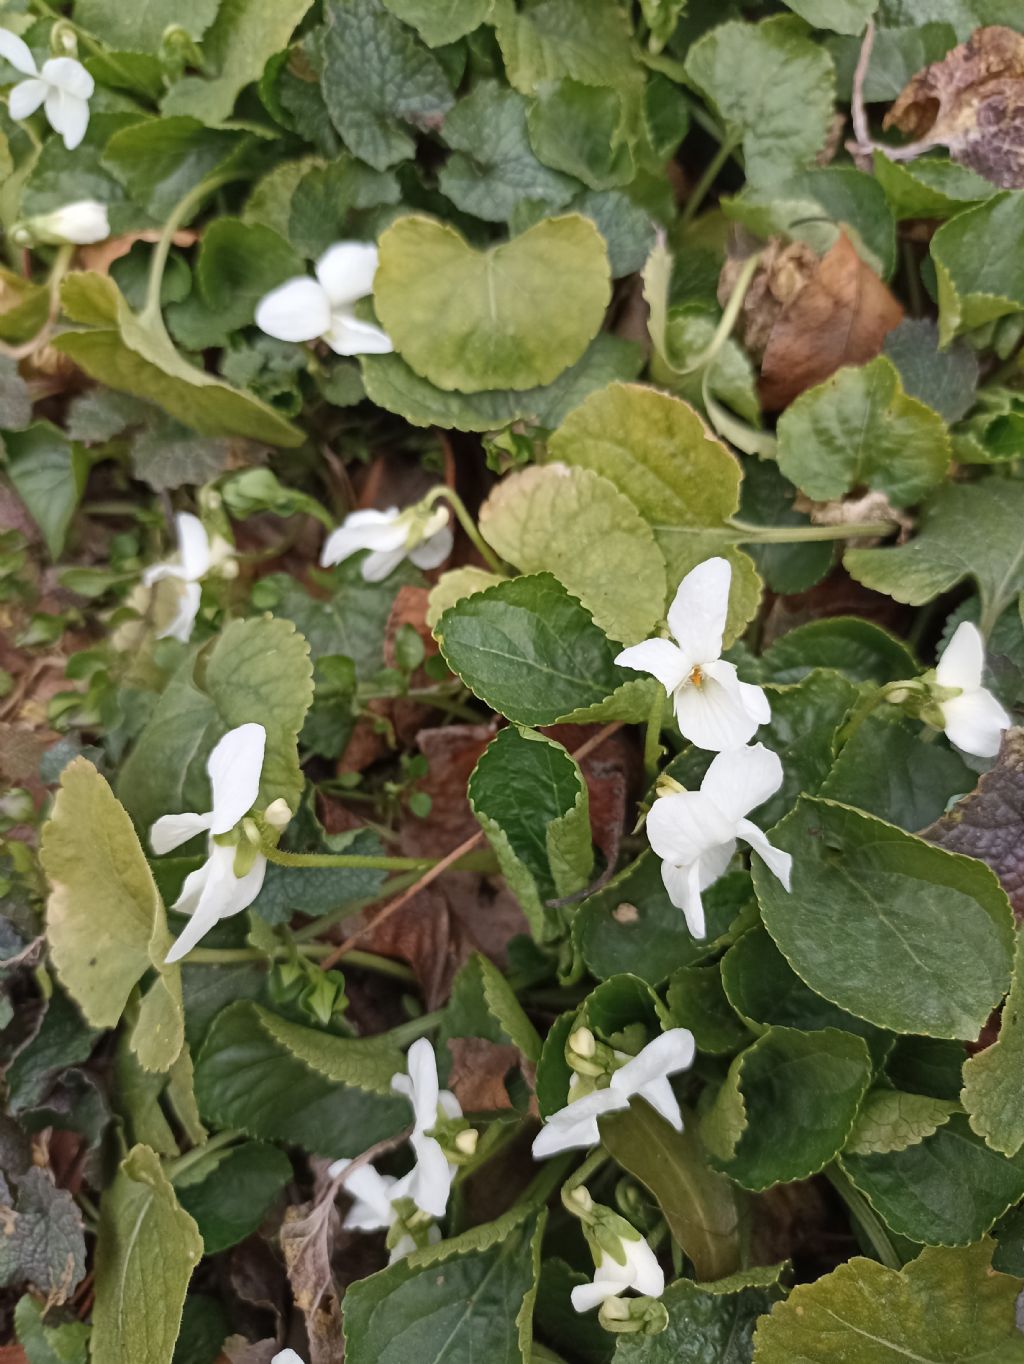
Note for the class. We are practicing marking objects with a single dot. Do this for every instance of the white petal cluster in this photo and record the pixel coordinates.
(973, 720)
(641, 1272)
(390, 536)
(215, 891)
(62, 86)
(304, 309)
(197, 556)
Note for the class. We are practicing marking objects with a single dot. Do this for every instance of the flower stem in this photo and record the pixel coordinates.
(173, 1169)
(652, 736)
(792, 535)
(728, 319)
(865, 1218)
(366, 961)
(469, 526)
(151, 314)
(415, 1028)
(363, 863)
(711, 172)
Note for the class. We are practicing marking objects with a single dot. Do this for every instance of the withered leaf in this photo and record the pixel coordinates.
(972, 101)
(989, 823)
(841, 316)
(478, 1073)
(308, 1234)
(41, 1238)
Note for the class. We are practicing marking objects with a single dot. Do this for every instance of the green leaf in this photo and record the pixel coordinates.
(979, 274)
(862, 651)
(773, 86)
(684, 483)
(239, 263)
(166, 454)
(858, 429)
(946, 1190)
(787, 1106)
(391, 384)
(378, 78)
(711, 1323)
(946, 380)
(339, 1098)
(966, 530)
(945, 1305)
(534, 654)
(728, 376)
(256, 670)
(139, 27)
(438, 24)
(43, 1242)
(127, 354)
(841, 16)
(531, 800)
(768, 499)
(576, 525)
(237, 46)
(577, 129)
(15, 400)
(930, 187)
(483, 1004)
(697, 1001)
(587, 40)
(494, 168)
(159, 160)
(891, 1121)
(49, 475)
(513, 316)
(885, 928)
(314, 891)
(230, 1197)
(701, 1207)
(67, 1343)
(992, 1078)
(803, 730)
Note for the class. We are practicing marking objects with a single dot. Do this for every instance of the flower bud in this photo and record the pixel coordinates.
(77, 224)
(278, 813)
(466, 1141)
(583, 1043)
(63, 39)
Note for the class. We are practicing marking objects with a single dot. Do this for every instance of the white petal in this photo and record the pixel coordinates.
(741, 779)
(371, 1198)
(420, 1086)
(449, 1104)
(68, 116)
(575, 1126)
(586, 1296)
(779, 863)
(234, 769)
(714, 715)
(975, 722)
(207, 915)
(171, 831)
(659, 657)
(379, 530)
(346, 271)
(16, 51)
(189, 597)
(669, 1053)
(697, 615)
(156, 572)
(348, 336)
(81, 223)
(646, 1275)
(381, 564)
(193, 546)
(683, 886)
(298, 310)
(658, 1093)
(69, 75)
(683, 826)
(433, 551)
(963, 659)
(26, 97)
(244, 889)
(432, 1177)
(287, 1357)
(192, 888)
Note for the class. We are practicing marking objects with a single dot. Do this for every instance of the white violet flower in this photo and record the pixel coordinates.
(215, 891)
(430, 1180)
(713, 708)
(974, 720)
(374, 1199)
(79, 224)
(197, 556)
(640, 1271)
(574, 1127)
(391, 536)
(62, 86)
(304, 309)
(695, 832)
(287, 1357)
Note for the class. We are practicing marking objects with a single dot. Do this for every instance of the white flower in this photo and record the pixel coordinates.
(78, 224)
(641, 1272)
(574, 1127)
(695, 832)
(646, 1074)
(373, 1204)
(214, 892)
(430, 1180)
(287, 1357)
(196, 556)
(713, 708)
(974, 720)
(305, 309)
(63, 86)
(391, 536)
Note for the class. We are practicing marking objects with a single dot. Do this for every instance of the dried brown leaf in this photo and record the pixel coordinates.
(308, 1235)
(478, 1073)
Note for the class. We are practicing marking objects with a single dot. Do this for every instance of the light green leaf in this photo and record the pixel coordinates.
(841, 16)
(66, 1343)
(379, 78)
(239, 263)
(575, 524)
(886, 928)
(931, 186)
(532, 803)
(993, 1077)
(256, 670)
(684, 483)
(534, 654)
(452, 586)
(701, 1207)
(484, 1004)
(441, 21)
(708, 1323)
(787, 1106)
(890, 1120)
(967, 530)
(494, 168)
(774, 87)
(513, 316)
(577, 129)
(140, 26)
(147, 1248)
(729, 376)
(49, 474)
(979, 272)
(237, 46)
(860, 428)
(133, 357)
(945, 1190)
(587, 40)
(945, 1305)
(159, 160)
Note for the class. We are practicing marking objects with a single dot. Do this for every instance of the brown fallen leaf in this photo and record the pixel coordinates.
(972, 102)
(478, 1073)
(101, 256)
(841, 316)
(783, 270)
(308, 1235)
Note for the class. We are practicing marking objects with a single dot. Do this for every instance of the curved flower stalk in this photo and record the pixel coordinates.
(197, 556)
(62, 86)
(304, 309)
(713, 708)
(695, 832)
(972, 717)
(420, 534)
(78, 224)
(232, 875)
(644, 1076)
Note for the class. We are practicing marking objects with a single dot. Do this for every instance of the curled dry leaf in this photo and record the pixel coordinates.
(308, 1235)
(784, 269)
(478, 1073)
(972, 101)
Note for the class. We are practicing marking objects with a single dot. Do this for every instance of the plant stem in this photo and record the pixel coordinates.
(151, 313)
(173, 1169)
(363, 863)
(416, 1027)
(594, 1162)
(366, 961)
(439, 701)
(728, 319)
(864, 1217)
(703, 185)
(652, 736)
(469, 526)
(792, 535)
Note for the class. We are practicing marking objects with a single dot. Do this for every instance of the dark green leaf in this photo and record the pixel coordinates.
(43, 1244)
(231, 1199)
(49, 474)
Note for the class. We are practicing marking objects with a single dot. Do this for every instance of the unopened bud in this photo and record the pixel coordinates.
(78, 224)
(668, 786)
(583, 1043)
(579, 1201)
(466, 1141)
(63, 39)
(278, 813)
